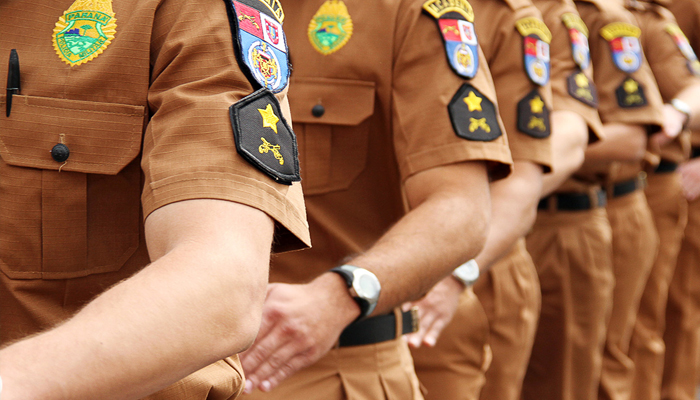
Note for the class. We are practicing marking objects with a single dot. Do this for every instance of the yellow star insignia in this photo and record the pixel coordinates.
(536, 105)
(473, 102)
(270, 120)
(581, 80)
(631, 86)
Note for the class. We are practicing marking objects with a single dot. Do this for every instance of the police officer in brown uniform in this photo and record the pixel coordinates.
(394, 110)
(136, 306)
(576, 280)
(682, 334)
(630, 106)
(517, 50)
(664, 44)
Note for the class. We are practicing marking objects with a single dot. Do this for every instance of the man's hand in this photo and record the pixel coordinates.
(436, 310)
(690, 179)
(301, 323)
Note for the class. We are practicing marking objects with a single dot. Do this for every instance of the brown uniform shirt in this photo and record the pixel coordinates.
(660, 40)
(615, 86)
(572, 83)
(517, 94)
(687, 13)
(384, 90)
(156, 77)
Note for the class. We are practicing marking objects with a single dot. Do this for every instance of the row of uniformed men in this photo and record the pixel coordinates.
(554, 312)
(430, 135)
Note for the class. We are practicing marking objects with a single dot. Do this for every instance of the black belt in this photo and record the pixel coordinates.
(665, 167)
(378, 329)
(627, 187)
(573, 201)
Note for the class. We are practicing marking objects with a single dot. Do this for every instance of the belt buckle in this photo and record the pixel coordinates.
(415, 320)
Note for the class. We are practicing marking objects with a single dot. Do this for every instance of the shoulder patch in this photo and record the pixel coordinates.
(330, 28)
(536, 39)
(261, 46)
(264, 138)
(473, 115)
(624, 45)
(533, 116)
(630, 94)
(684, 46)
(84, 31)
(578, 35)
(582, 89)
(455, 19)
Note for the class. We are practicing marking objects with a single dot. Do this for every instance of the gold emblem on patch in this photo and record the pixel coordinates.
(84, 31)
(331, 27)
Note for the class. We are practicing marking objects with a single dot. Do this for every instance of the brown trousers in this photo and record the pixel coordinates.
(682, 335)
(510, 295)
(635, 244)
(670, 211)
(573, 255)
(455, 368)
(382, 371)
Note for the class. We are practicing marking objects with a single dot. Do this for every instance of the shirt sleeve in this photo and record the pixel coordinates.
(424, 90)
(566, 73)
(610, 80)
(189, 150)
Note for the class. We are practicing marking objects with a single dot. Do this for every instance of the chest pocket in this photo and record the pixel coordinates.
(72, 218)
(330, 119)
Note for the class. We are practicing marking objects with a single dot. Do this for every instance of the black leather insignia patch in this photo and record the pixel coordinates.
(583, 89)
(264, 138)
(473, 115)
(630, 94)
(533, 116)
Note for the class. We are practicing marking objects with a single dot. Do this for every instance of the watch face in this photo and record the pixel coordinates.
(367, 286)
(468, 272)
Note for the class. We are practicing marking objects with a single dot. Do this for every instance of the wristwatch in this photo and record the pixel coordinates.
(682, 107)
(467, 273)
(364, 287)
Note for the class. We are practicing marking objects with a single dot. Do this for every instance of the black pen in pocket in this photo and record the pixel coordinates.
(12, 80)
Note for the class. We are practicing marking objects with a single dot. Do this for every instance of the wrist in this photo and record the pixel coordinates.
(467, 274)
(683, 108)
(362, 285)
(336, 297)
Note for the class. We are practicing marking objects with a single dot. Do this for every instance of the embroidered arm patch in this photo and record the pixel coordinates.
(259, 42)
(582, 89)
(536, 39)
(455, 21)
(264, 138)
(682, 42)
(624, 44)
(533, 116)
(630, 94)
(473, 115)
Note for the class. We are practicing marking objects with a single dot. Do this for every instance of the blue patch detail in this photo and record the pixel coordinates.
(464, 58)
(269, 65)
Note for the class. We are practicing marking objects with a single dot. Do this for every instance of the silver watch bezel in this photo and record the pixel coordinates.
(356, 289)
(467, 273)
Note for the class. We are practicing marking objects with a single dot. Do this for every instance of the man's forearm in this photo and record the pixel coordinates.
(569, 143)
(189, 308)
(622, 142)
(514, 209)
(445, 227)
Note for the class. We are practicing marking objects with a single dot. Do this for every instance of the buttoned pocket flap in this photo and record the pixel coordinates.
(331, 101)
(102, 138)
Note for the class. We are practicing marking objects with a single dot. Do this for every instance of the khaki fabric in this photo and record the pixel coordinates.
(666, 201)
(635, 243)
(510, 295)
(371, 372)
(670, 211)
(682, 334)
(573, 255)
(147, 123)
(455, 368)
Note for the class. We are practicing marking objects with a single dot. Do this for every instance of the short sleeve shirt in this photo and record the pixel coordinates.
(667, 62)
(503, 47)
(371, 108)
(565, 70)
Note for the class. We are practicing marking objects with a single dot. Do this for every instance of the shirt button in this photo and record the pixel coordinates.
(318, 111)
(60, 152)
